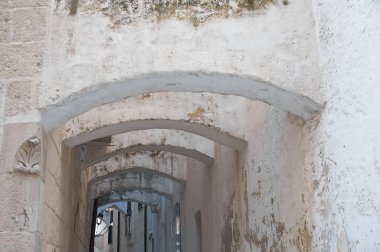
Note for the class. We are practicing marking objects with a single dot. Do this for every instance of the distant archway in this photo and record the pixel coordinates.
(141, 196)
(114, 185)
(163, 164)
(174, 141)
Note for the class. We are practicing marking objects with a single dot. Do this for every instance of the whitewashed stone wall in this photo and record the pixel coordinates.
(345, 141)
(86, 51)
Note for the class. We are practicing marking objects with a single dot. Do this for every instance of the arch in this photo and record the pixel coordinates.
(193, 81)
(159, 184)
(167, 148)
(132, 180)
(140, 196)
(128, 126)
(201, 114)
(177, 142)
(164, 164)
(121, 206)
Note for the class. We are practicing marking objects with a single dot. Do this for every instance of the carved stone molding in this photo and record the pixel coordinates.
(28, 156)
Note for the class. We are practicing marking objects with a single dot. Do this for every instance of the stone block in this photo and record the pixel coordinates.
(5, 24)
(18, 241)
(53, 195)
(19, 203)
(20, 60)
(80, 231)
(52, 227)
(20, 97)
(29, 24)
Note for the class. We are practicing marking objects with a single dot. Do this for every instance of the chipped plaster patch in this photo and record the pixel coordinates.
(197, 115)
(22, 220)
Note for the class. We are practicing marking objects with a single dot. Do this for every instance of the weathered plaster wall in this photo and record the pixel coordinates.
(272, 204)
(344, 153)
(275, 43)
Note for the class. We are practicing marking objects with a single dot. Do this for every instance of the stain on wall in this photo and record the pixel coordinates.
(231, 235)
(195, 11)
(73, 7)
(304, 239)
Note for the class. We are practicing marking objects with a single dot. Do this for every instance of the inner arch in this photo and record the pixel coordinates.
(140, 196)
(167, 148)
(135, 125)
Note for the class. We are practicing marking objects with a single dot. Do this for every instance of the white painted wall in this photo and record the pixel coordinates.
(345, 142)
(276, 44)
(275, 205)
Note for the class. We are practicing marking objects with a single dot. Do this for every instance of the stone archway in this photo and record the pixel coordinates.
(140, 196)
(131, 180)
(113, 187)
(215, 117)
(177, 142)
(219, 83)
(164, 164)
(198, 114)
